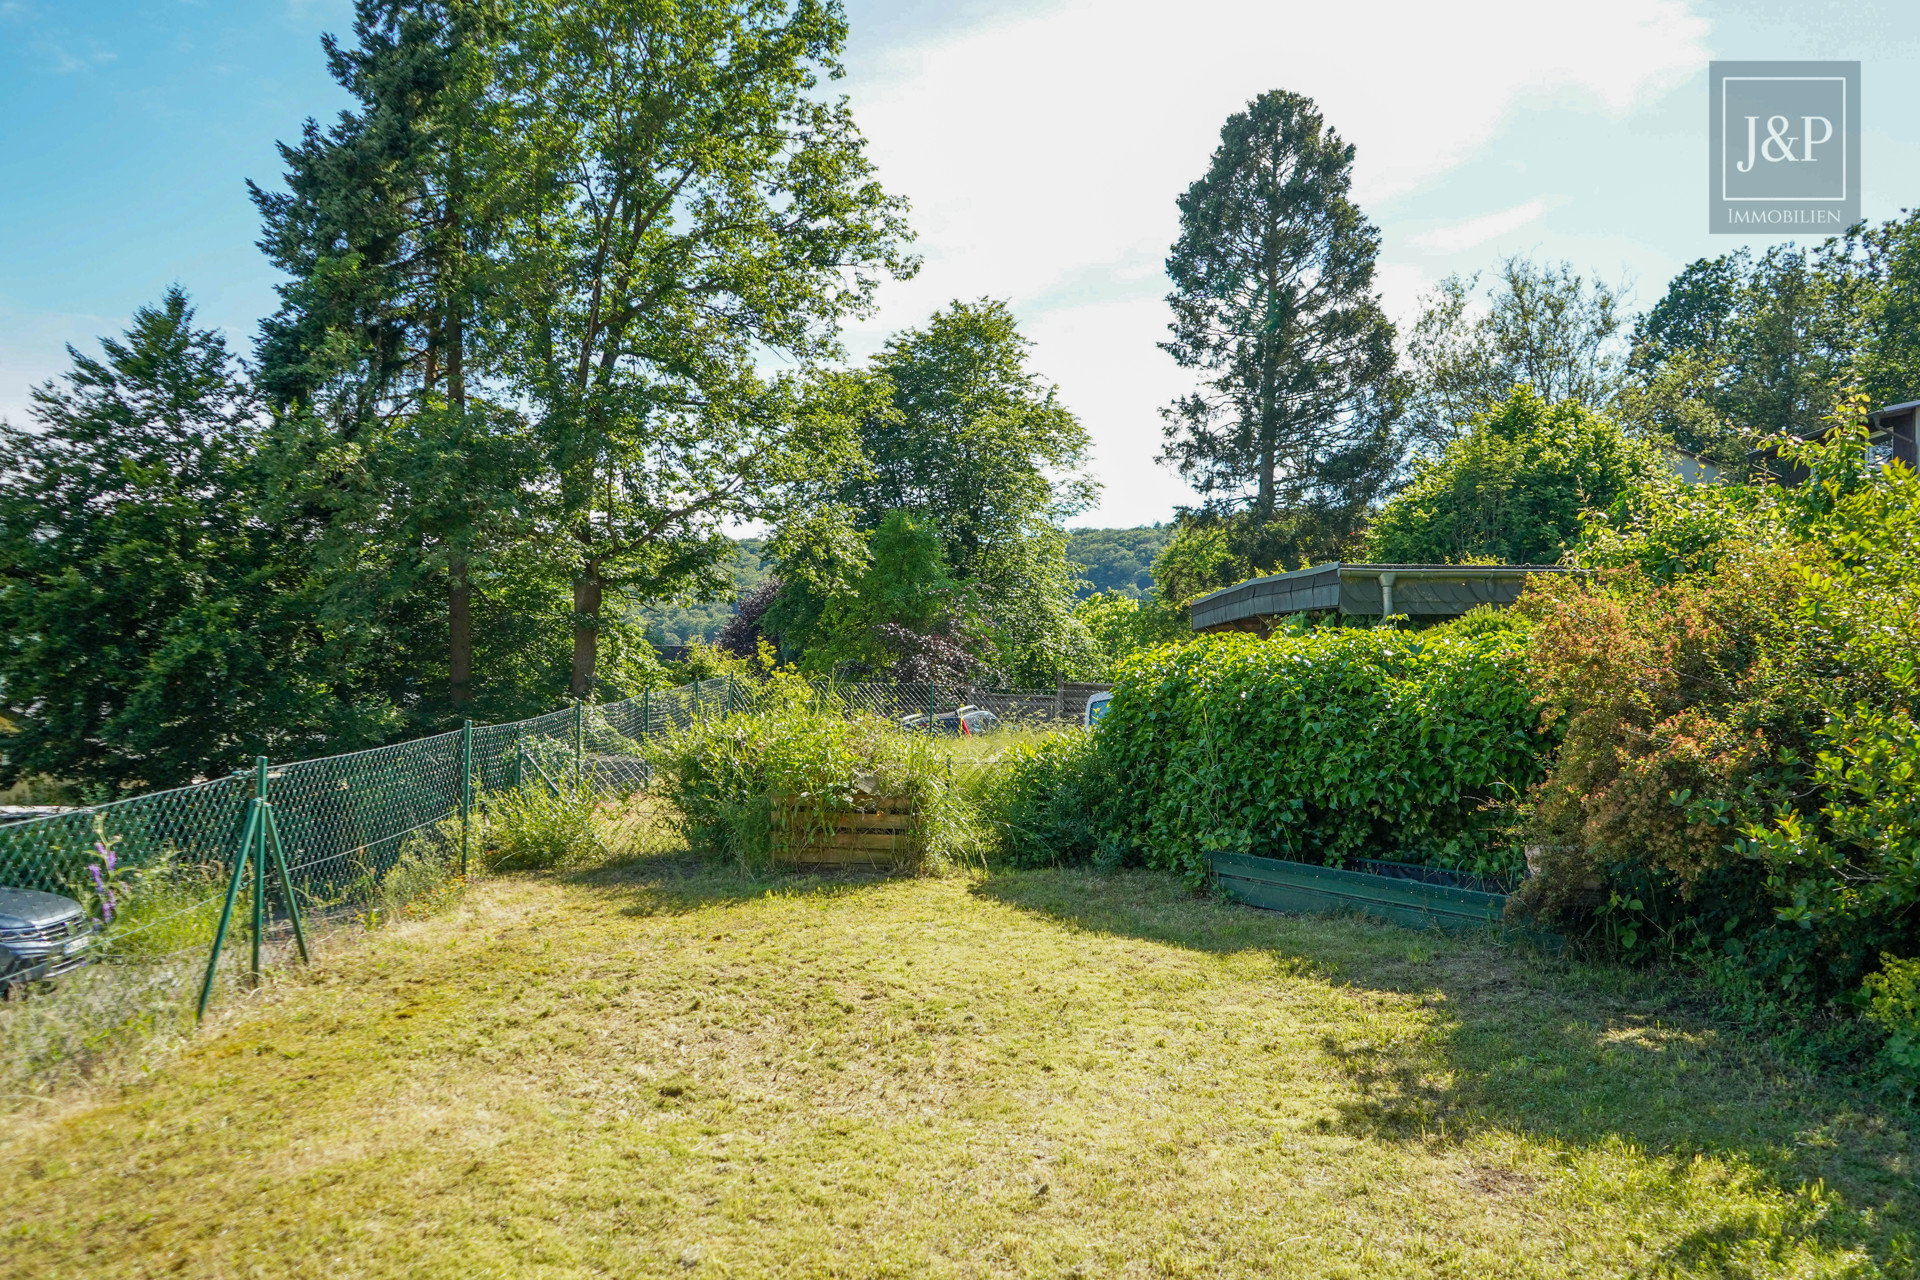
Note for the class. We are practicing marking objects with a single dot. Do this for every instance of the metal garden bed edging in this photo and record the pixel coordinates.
(1277, 885)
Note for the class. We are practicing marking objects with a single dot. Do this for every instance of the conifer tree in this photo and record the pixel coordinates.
(380, 362)
(1274, 305)
(152, 629)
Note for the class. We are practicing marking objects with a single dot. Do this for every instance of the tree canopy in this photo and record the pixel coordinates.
(150, 626)
(1513, 490)
(519, 350)
(959, 438)
(1542, 326)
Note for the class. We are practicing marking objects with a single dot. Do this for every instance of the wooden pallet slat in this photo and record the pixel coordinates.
(887, 833)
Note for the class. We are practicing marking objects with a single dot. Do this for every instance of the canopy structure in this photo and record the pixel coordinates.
(1370, 590)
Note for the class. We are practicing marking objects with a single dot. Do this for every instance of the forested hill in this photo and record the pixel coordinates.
(1117, 560)
(700, 622)
(1114, 560)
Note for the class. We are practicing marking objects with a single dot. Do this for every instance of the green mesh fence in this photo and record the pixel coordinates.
(368, 831)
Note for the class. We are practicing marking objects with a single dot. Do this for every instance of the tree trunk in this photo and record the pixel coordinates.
(460, 636)
(460, 591)
(586, 628)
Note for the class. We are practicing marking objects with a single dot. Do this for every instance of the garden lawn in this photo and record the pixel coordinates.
(664, 1069)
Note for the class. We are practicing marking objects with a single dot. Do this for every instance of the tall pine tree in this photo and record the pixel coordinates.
(381, 360)
(1273, 303)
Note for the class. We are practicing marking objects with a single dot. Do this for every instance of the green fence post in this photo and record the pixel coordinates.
(729, 710)
(271, 831)
(242, 854)
(579, 740)
(466, 790)
(646, 714)
(519, 759)
(931, 688)
(259, 852)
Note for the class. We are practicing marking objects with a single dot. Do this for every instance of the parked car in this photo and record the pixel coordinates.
(967, 720)
(42, 935)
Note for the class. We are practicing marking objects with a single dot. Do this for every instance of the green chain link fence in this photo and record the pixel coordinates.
(351, 834)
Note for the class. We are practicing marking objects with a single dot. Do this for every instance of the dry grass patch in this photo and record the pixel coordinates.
(664, 1069)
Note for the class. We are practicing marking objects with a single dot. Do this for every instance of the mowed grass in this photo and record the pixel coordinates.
(663, 1069)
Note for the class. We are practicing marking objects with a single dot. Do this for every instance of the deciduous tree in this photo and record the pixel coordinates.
(687, 203)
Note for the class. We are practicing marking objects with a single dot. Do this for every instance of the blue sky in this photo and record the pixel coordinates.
(1041, 144)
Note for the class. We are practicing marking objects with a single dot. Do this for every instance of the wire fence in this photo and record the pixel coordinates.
(372, 830)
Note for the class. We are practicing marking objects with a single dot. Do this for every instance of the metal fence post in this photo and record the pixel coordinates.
(646, 714)
(729, 706)
(242, 855)
(259, 867)
(466, 791)
(931, 692)
(579, 741)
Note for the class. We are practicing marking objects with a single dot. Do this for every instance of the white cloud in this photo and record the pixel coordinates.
(1043, 154)
(1477, 231)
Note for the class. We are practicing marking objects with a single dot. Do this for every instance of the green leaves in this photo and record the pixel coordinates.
(1324, 746)
(152, 628)
(684, 204)
(1514, 489)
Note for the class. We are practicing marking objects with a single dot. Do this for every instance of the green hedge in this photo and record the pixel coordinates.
(1325, 746)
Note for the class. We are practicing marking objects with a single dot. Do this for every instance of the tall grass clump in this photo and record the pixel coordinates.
(162, 908)
(746, 785)
(537, 826)
(95, 1022)
(1051, 803)
(156, 921)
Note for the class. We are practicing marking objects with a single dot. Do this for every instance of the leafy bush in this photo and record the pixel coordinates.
(1894, 1006)
(1121, 626)
(724, 776)
(533, 828)
(1741, 756)
(1513, 489)
(1324, 746)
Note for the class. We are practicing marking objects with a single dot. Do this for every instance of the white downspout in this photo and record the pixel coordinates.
(1386, 597)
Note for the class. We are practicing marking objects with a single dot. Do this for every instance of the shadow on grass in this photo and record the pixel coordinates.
(676, 882)
(1581, 1054)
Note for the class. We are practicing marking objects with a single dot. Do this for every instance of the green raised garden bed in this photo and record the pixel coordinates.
(1298, 886)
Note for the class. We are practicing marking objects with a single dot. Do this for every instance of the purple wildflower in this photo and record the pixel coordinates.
(101, 891)
(100, 871)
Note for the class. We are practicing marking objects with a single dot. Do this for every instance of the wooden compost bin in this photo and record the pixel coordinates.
(881, 831)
